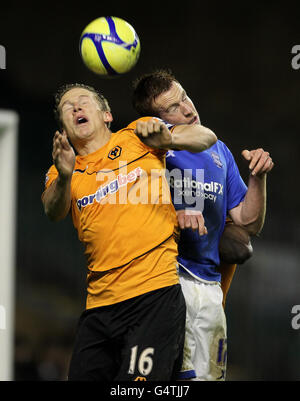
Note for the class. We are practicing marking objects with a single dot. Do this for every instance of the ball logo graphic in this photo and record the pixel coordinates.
(109, 46)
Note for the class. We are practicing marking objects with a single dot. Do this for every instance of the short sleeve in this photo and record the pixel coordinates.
(51, 175)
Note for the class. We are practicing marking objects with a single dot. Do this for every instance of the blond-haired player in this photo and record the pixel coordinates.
(133, 325)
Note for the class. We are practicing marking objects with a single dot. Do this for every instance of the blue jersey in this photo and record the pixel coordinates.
(212, 181)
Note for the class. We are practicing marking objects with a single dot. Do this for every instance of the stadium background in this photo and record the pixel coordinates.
(235, 63)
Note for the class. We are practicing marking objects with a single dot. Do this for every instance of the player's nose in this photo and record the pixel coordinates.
(76, 107)
(186, 110)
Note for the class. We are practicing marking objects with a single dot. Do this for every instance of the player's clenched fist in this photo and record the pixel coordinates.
(63, 155)
(154, 133)
(260, 161)
(191, 219)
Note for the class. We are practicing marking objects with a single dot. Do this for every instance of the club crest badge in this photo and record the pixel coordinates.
(115, 152)
(216, 159)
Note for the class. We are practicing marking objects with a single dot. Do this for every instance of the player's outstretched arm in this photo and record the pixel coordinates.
(250, 213)
(57, 198)
(194, 138)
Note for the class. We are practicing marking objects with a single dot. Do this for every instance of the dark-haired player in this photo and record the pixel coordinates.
(212, 181)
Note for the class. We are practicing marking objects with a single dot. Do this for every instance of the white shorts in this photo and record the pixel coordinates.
(205, 348)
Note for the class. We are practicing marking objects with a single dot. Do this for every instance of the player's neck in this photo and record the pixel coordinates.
(93, 144)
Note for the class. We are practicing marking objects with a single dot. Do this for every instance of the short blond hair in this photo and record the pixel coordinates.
(103, 103)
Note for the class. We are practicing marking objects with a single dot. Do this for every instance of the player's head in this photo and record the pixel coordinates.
(160, 94)
(80, 107)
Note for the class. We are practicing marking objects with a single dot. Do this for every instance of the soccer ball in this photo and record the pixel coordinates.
(109, 46)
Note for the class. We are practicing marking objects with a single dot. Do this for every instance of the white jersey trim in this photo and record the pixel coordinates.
(199, 278)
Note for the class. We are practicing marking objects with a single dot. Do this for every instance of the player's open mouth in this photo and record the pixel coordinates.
(194, 120)
(81, 120)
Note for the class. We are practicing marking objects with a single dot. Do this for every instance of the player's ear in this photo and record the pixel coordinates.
(107, 116)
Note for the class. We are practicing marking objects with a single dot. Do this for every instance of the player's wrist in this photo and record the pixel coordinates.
(64, 178)
(167, 142)
(173, 145)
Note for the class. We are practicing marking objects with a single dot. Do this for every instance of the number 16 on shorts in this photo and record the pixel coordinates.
(143, 364)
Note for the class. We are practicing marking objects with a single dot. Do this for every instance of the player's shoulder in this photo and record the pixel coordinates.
(220, 144)
(132, 125)
(52, 170)
(50, 175)
(221, 147)
(127, 133)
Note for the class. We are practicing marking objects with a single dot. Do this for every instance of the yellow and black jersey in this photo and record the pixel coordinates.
(122, 210)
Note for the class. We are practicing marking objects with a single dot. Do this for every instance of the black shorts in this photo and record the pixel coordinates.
(138, 339)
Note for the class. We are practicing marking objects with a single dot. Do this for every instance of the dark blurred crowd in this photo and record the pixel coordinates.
(47, 361)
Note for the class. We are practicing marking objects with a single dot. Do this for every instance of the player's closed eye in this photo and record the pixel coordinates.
(172, 108)
(67, 107)
(84, 102)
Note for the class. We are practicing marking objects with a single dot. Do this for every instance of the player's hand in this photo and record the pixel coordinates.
(191, 219)
(260, 161)
(154, 134)
(63, 155)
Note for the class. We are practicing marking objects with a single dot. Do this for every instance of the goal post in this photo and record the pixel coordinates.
(8, 194)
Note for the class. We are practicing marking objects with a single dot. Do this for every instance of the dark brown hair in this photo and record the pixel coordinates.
(65, 88)
(147, 87)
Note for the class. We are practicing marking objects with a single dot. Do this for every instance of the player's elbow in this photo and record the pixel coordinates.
(52, 216)
(236, 253)
(52, 213)
(243, 253)
(207, 138)
(254, 228)
(212, 139)
(235, 246)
